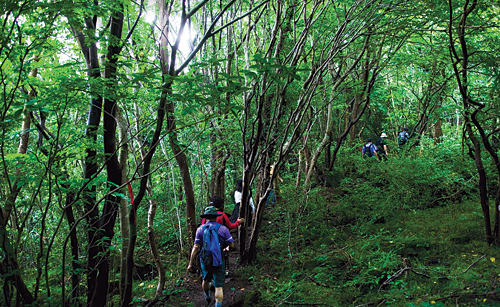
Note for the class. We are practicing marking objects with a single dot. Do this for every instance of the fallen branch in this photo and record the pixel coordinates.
(470, 266)
(317, 283)
(491, 295)
(450, 196)
(421, 274)
(394, 277)
(305, 304)
(399, 273)
(373, 303)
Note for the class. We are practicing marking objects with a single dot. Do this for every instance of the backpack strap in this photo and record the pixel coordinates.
(216, 229)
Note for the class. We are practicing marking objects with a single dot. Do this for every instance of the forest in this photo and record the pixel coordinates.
(120, 119)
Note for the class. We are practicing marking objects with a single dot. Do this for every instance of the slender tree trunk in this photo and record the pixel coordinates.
(10, 261)
(461, 75)
(360, 96)
(164, 13)
(321, 146)
(358, 99)
(496, 226)
(142, 190)
(23, 147)
(89, 51)
(12, 266)
(123, 213)
(218, 161)
(153, 243)
(438, 131)
(113, 166)
(75, 264)
(182, 162)
(299, 169)
(341, 138)
(483, 190)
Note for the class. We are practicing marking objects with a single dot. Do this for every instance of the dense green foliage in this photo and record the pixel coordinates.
(350, 245)
(97, 98)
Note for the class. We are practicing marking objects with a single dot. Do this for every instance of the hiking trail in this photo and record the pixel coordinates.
(189, 292)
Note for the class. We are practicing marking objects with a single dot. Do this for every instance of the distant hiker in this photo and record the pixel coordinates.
(210, 240)
(275, 191)
(382, 147)
(237, 200)
(369, 150)
(218, 203)
(403, 137)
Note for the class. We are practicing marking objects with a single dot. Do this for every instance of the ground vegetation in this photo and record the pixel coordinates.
(119, 120)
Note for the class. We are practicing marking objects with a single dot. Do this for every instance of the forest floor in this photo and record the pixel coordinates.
(190, 293)
(334, 253)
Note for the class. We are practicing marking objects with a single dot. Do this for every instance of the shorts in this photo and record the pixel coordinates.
(218, 274)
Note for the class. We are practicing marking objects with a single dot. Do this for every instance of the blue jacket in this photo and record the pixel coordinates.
(372, 147)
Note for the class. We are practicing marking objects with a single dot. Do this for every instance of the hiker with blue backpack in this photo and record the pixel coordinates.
(403, 137)
(369, 150)
(210, 241)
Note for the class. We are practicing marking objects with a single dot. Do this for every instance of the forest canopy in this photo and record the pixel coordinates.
(120, 119)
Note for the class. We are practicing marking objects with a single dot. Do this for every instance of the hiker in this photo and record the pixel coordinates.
(218, 203)
(369, 150)
(275, 190)
(382, 147)
(237, 200)
(211, 256)
(403, 137)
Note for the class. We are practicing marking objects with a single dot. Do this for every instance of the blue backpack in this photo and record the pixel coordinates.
(368, 150)
(211, 254)
(402, 138)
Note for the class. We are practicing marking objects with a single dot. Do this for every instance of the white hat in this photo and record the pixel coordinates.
(383, 135)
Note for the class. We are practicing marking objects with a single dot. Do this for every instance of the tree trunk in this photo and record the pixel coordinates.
(358, 99)
(113, 167)
(360, 96)
(461, 75)
(438, 131)
(483, 190)
(12, 266)
(164, 13)
(89, 51)
(75, 264)
(152, 236)
(299, 169)
(23, 146)
(181, 159)
(218, 161)
(123, 213)
(321, 146)
(154, 244)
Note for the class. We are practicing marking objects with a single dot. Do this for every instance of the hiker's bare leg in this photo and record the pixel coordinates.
(219, 294)
(206, 286)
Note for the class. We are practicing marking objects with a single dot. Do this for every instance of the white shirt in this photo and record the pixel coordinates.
(237, 199)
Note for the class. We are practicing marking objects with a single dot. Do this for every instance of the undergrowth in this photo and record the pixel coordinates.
(407, 232)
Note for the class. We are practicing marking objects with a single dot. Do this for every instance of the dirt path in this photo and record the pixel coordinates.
(190, 293)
